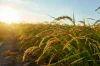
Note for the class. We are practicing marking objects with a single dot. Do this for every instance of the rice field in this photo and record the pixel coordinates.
(54, 44)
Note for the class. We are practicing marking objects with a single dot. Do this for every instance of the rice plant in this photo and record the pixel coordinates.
(60, 45)
(55, 44)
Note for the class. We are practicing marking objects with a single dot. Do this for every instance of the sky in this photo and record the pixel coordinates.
(38, 10)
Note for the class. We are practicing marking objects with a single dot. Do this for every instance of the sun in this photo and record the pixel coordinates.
(9, 14)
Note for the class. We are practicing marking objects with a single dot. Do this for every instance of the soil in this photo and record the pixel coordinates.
(7, 47)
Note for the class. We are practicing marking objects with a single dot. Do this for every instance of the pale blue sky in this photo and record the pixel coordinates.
(36, 10)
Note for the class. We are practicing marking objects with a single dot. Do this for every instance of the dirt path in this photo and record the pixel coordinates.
(5, 50)
(7, 46)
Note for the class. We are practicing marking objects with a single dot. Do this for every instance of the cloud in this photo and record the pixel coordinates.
(24, 4)
(29, 10)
